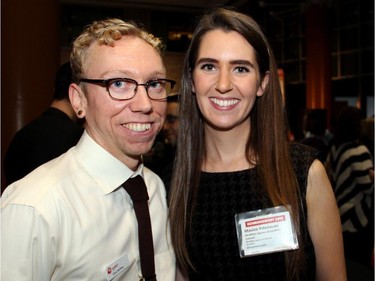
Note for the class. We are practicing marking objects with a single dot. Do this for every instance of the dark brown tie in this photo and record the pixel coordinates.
(137, 190)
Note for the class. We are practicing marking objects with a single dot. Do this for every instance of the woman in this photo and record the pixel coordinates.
(233, 157)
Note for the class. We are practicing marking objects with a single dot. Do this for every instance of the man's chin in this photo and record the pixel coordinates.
(142, 149)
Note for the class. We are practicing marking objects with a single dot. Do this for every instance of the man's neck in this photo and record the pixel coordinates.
(64, 106)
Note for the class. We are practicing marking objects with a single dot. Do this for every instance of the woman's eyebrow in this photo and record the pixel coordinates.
(243, 62)
(232, 62)
(201, 60)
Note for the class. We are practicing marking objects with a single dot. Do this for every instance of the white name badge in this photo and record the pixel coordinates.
(265, 231)
(118, 266)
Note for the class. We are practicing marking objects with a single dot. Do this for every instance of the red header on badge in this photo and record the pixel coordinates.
(265, 221)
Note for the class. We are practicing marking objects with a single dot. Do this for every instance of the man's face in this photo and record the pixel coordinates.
(126, 129)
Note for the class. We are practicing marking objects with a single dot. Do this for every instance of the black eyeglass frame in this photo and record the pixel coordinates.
(106, 82)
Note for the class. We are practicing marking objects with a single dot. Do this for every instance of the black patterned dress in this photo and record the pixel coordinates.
(214, 248)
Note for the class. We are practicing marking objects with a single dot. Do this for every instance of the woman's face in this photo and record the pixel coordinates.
(226, 80)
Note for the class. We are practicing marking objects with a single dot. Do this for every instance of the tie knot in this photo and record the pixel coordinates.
(136, 188)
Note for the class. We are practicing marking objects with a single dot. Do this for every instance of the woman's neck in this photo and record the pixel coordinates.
(225, 151)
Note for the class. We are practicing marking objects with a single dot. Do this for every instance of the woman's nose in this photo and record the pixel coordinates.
(224, 83)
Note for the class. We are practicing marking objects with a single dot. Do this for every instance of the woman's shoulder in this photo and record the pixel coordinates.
(302, 157)
(301, 153)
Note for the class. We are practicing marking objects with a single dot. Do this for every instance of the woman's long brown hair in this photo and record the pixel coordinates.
(267, 143)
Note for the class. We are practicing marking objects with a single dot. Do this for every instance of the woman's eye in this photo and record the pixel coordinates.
(242, 69)
(207, 66)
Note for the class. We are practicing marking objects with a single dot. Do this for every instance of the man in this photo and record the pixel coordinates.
(72, 219)
(171, 124)
(46, 137)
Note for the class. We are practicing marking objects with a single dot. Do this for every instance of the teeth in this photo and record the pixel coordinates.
(138, 127)
(224, 102)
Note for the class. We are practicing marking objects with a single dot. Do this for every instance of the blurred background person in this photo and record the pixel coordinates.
(316, 132)
(161, 156)
(170, 128)
(367, 134)
(350, 169)
(48, 136)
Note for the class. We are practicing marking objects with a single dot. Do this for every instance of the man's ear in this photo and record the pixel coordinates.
(78, 100)
(263, 84)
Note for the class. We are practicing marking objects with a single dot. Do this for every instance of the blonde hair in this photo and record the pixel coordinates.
(106, 32)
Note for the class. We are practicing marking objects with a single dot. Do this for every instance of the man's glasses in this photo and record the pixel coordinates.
(125, 88)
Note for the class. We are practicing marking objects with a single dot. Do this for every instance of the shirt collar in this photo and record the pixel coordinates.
(109, 172)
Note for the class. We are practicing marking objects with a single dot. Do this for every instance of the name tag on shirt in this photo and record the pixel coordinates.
(115, 268)
(265, 231)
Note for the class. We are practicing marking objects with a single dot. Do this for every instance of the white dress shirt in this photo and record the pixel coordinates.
(70, 219)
